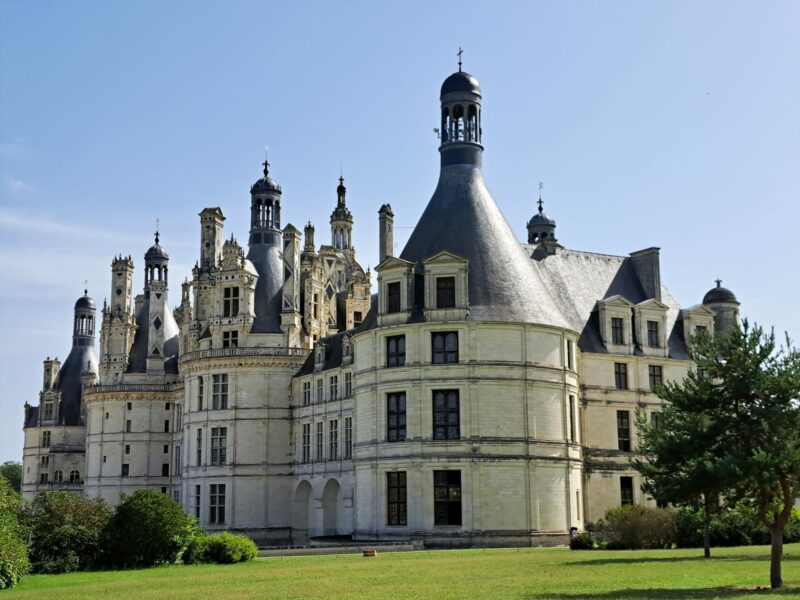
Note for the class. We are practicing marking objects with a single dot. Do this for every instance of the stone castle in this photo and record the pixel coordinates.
(485, 395)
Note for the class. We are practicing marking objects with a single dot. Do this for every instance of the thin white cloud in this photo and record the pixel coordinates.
(18, 186)
(14, 221)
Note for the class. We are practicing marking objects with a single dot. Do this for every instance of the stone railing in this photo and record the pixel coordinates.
(233, 352)
(135, 387)
(67, 448)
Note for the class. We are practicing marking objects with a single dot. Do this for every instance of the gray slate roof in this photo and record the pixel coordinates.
(137, 362)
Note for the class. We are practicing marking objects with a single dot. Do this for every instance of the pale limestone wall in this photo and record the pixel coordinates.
(65, 453)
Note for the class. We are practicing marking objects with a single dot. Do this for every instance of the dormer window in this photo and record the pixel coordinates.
(653, 337)
(319, 356)
(230, 339)
(393, 297)
(445, 292)
(230, 302)
(617, 331)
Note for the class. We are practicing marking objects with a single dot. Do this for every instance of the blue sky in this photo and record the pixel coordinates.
(670, 124)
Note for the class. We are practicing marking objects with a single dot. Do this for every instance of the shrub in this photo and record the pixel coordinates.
(13, 552)
(222, 548)
(732, 526)
(148, 528)
(635, 527)
(66, 531)
(581, 541)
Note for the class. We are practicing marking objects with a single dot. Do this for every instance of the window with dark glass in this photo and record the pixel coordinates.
(45, 439)
(396, 503)
(320, 390)
(624, 430)
(393, 297)
(230, 302)
(216, 504)
(197, 501)
(320, 447)
(219, 445)
(165, 470)
(396, 417)
(358, 318)
(333, 385)
(396, 351)
(445, 292)
(447, 497)
(74, 477)
(700, 329)
(333, 439)
(656, 374)
(446, 417)
(348, 437)
(626, 491)
(199, 449)
(655, 419)
(126, 469)
(348, 384)
(306, 393)
(306, 442)
(219, 393)
(617, 335)
(444, 347)
(572, 418)
(653, 339)
(230, 339)
(200, 391)
(621, 376)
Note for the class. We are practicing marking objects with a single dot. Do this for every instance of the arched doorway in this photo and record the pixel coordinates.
(331, 507)
(301, 507)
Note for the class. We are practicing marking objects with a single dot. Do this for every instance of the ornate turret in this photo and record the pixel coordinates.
(81, 359)
(341, 221)
(460, 130)
(541, 228)
(156, 261)
(725, 306)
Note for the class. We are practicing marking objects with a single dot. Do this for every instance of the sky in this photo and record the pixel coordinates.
(669, 124)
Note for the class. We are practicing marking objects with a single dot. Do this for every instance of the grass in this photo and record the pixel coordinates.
(527, 574)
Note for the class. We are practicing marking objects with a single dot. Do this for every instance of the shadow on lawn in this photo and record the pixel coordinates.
(674, 559)
(662, 594)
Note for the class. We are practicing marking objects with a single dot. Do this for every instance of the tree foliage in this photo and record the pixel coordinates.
(66, 531)
(12, 471)
(13, 552)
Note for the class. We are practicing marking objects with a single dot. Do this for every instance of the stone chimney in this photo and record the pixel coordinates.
(646, 263)
(386, 232)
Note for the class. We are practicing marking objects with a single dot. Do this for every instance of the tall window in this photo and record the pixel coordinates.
(320, 391)
(177, 459)
(127, 448)
(166, 425)
(74, 477)
(621, 376)
(358, 318)
(230, 302)
(315, 306)
(230, 339)
(320, 447)
(655, 419)
(126, 469)
(653, 339)
(445, 292)
(626, 491)
(444, 347)
(128, 426)
(624, 430)
(446, 420)
(48, 411)
(333, 439)
(43, 477)
(573, 424)
(200, 392)
(348, 384)
(348, 437)
(617, 333)
(58, 477)
(396, 503)
(306, 393)
(219, 445)
(333, 387)
(45, 461)
(45, 439)
(165, 470)
(447, 497)
(393, 297)
(219, 393)
(306, 442)
(570, 355)
(396, 417)
(197, 501)
(216, 504)
(199, 447)
(656, 373)
(396, 351)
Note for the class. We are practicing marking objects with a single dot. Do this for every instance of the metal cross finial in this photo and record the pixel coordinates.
(460, 52)
(85, 287)
(540, 203)
(157, 224)
(719, 282)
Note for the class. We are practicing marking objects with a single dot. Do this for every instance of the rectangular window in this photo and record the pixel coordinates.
(333, 439)
(358, 318)
(320, 391)
(126, 469)
(166, 426)
(315, 306)
(306, 393)
(445, 292)
(570, 355)
(45, 439)
(573, 421)
(177, 458)
(396, 351)
(45, 461)
(166, 406)
(348, 437)
(230, 302)
(700, 329)
(179, 416)
(617, 333)
(197, 502)
(43, 477)
(306, 442)
(621, 376)
(165, 470)
(127, 448)
(446, 419)
(626, 491)
(216, 504)
(652, 334)
(219, 393)
(444, 347)
(128, 426)
(130, 405)
(396, 417)
(333, 388)
(219, 445)
(393, 297)
(656, 373)
(655, 419)
(48, 411)
(176, 496)
(200, 391)
(396, 503)
(230, 339)
(447, 497)
(166, 448)
(199, 447)
(348, 385)
(320, 447)
(624, 430)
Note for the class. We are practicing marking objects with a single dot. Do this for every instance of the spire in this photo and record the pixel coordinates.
(341, 191)
(156, 236)
(460, 52)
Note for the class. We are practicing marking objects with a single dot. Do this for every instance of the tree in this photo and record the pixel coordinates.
(12, 471)
(148, 528)
(13, 553)
(66, 531)
(737, 426)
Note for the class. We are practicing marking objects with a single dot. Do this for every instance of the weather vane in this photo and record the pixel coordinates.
(540, 203)
(158, 222)
(460, 52)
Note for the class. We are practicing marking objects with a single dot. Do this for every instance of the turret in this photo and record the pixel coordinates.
(156, 263)
(341, 221)
(460, 130)
(81, 359)
(211, 237)
(308, 233)
(119, 321)
(725, 306)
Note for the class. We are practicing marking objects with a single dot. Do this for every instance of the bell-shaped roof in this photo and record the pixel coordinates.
(460, 82)
(266, 184)
(719, 294)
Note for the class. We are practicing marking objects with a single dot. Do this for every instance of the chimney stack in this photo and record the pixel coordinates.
(386, 232)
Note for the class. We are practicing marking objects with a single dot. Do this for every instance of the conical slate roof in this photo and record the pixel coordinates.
(463, 218)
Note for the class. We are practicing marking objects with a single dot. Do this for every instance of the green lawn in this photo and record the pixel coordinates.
(498, 574)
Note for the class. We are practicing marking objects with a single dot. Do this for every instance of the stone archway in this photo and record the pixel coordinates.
(301, 511)
(331, 507)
